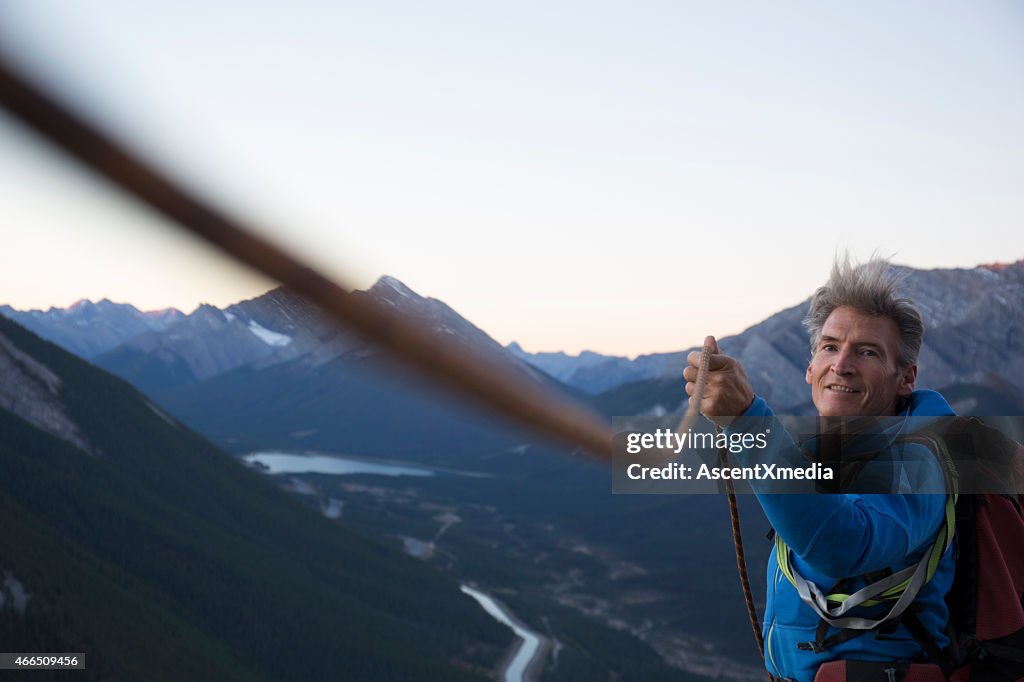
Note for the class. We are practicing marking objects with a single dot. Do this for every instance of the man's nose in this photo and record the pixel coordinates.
(844, 363)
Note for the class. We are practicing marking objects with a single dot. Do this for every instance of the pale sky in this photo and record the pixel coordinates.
(621, 177)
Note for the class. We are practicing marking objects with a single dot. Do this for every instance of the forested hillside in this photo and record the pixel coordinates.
(163, 558)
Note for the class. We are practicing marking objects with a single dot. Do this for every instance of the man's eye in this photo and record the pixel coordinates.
(828, 346)
(868, 353)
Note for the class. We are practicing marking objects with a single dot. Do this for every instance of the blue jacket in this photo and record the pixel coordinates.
(836, 536)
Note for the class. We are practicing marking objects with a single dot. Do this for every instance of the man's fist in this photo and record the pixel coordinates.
(728, 392)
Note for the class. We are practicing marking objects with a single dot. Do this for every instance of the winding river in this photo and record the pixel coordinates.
(517, 667)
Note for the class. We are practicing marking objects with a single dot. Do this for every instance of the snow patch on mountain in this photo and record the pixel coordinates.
(268, 337)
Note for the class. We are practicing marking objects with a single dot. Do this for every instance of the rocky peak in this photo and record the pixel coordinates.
(209, 315)
(999, 267)
(391, 286)
(78, 306)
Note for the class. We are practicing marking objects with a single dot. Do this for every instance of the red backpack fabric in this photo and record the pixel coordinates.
(986, 601)
(986, 609)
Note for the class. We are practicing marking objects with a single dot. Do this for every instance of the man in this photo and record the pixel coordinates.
(865, 339)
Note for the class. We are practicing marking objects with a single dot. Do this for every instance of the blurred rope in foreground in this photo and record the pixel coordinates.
(474, 376)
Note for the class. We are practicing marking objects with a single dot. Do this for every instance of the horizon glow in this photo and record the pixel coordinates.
(569, 177)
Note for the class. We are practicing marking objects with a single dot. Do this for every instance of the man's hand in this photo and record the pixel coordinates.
(728, 392)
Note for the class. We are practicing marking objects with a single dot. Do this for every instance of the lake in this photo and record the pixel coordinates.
(291, 463)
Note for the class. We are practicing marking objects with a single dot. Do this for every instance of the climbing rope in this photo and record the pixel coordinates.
(741, 559)
(471, 374)
(688, 421)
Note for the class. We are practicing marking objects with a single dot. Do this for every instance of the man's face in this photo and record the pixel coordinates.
(854, 369)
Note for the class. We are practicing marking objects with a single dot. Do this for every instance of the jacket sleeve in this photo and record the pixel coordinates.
(843, 535)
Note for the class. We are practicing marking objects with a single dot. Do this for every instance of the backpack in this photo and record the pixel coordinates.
(986, 601)
(985, 470)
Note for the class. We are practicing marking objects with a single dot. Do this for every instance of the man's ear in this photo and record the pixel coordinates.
(807, 374)
(907, 378)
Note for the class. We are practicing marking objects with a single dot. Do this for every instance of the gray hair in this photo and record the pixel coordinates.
(870, 288)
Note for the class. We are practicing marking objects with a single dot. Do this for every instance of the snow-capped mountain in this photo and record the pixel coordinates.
(89, 329)
(274, 370)
(276, 328)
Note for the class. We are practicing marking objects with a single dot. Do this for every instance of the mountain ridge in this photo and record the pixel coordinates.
(88, 329)
(973, 338)
(964, 309)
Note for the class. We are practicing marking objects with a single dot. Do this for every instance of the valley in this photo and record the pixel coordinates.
(564, 581)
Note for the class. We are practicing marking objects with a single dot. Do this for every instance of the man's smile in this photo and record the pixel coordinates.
(854, 369)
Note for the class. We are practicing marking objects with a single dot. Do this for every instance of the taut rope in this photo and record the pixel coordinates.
(467, 373)
(477, 377)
